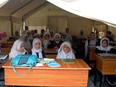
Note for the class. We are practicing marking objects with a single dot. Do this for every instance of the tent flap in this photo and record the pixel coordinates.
(99, 10)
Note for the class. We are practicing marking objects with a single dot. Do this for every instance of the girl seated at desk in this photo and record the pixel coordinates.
(65, 51)
(37, 48)
(46, 39)
(17, 48)
(90, 42)
(57, 41)
(105, 47)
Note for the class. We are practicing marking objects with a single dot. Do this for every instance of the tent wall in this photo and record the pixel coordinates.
(46, 15)
(17, 24)
(74, 22)
(5, 25)
(57, 23)
(113, 30)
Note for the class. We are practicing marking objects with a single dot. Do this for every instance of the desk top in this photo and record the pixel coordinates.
(113, 43)
(106, 57)
(106, 65)
(78, 64)
(51, 51)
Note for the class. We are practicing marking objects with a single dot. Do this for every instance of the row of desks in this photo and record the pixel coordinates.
(67, 75)
(75, 74)
(47, 51)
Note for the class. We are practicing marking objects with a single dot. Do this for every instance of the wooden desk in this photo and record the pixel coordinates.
(5, 51)
(50, 51)
(67, 75)
(3, 61)
(106, 65)
(51, 56)
(92, 53)
(112, 43)
(0, 64)
(6, 45)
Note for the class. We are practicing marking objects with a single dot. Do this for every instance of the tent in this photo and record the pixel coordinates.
(100, 10)
(14, 13)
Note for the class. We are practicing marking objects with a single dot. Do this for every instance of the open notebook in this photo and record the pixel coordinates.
(50, 62)
(106, 54)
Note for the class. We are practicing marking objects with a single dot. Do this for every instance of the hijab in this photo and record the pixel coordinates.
(35, 51)
(64, 37)
(102, 48)
(61, 54)
(46, 42)
(27, 43)
(14, 52)
(47, 33)
(57, 34)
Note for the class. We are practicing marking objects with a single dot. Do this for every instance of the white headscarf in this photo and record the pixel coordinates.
(102, 48)
(39, 51)
(27, 43)
(66, 38)
(48, 33)
(14, 52)
(46, 42)
(62, 55)
(57, 34)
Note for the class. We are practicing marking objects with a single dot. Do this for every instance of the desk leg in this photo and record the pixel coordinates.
(102, 81)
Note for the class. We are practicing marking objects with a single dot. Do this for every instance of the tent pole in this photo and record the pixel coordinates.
(11, 25)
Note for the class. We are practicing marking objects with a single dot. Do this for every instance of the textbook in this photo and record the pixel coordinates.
(3, 56)
(69, 61)
(50, 62)
(46, 60)
(53, 64)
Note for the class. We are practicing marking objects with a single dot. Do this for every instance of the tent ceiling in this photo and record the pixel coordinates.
(12, 6)
(35, 4)
(18, 8)
(99, 11)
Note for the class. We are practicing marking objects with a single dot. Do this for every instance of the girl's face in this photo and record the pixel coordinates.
(104, 43)
(63, 36)
(51, 33)
(57, 38)
(66, 48)
(21, 48)
(47, 36)
(92, 36)
(37, 45)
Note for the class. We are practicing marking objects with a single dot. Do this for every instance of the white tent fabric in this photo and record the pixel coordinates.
(99, 10)
(3, 2)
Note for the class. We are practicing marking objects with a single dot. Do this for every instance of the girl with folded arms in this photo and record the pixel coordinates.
(65, 51)
(105, 47)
